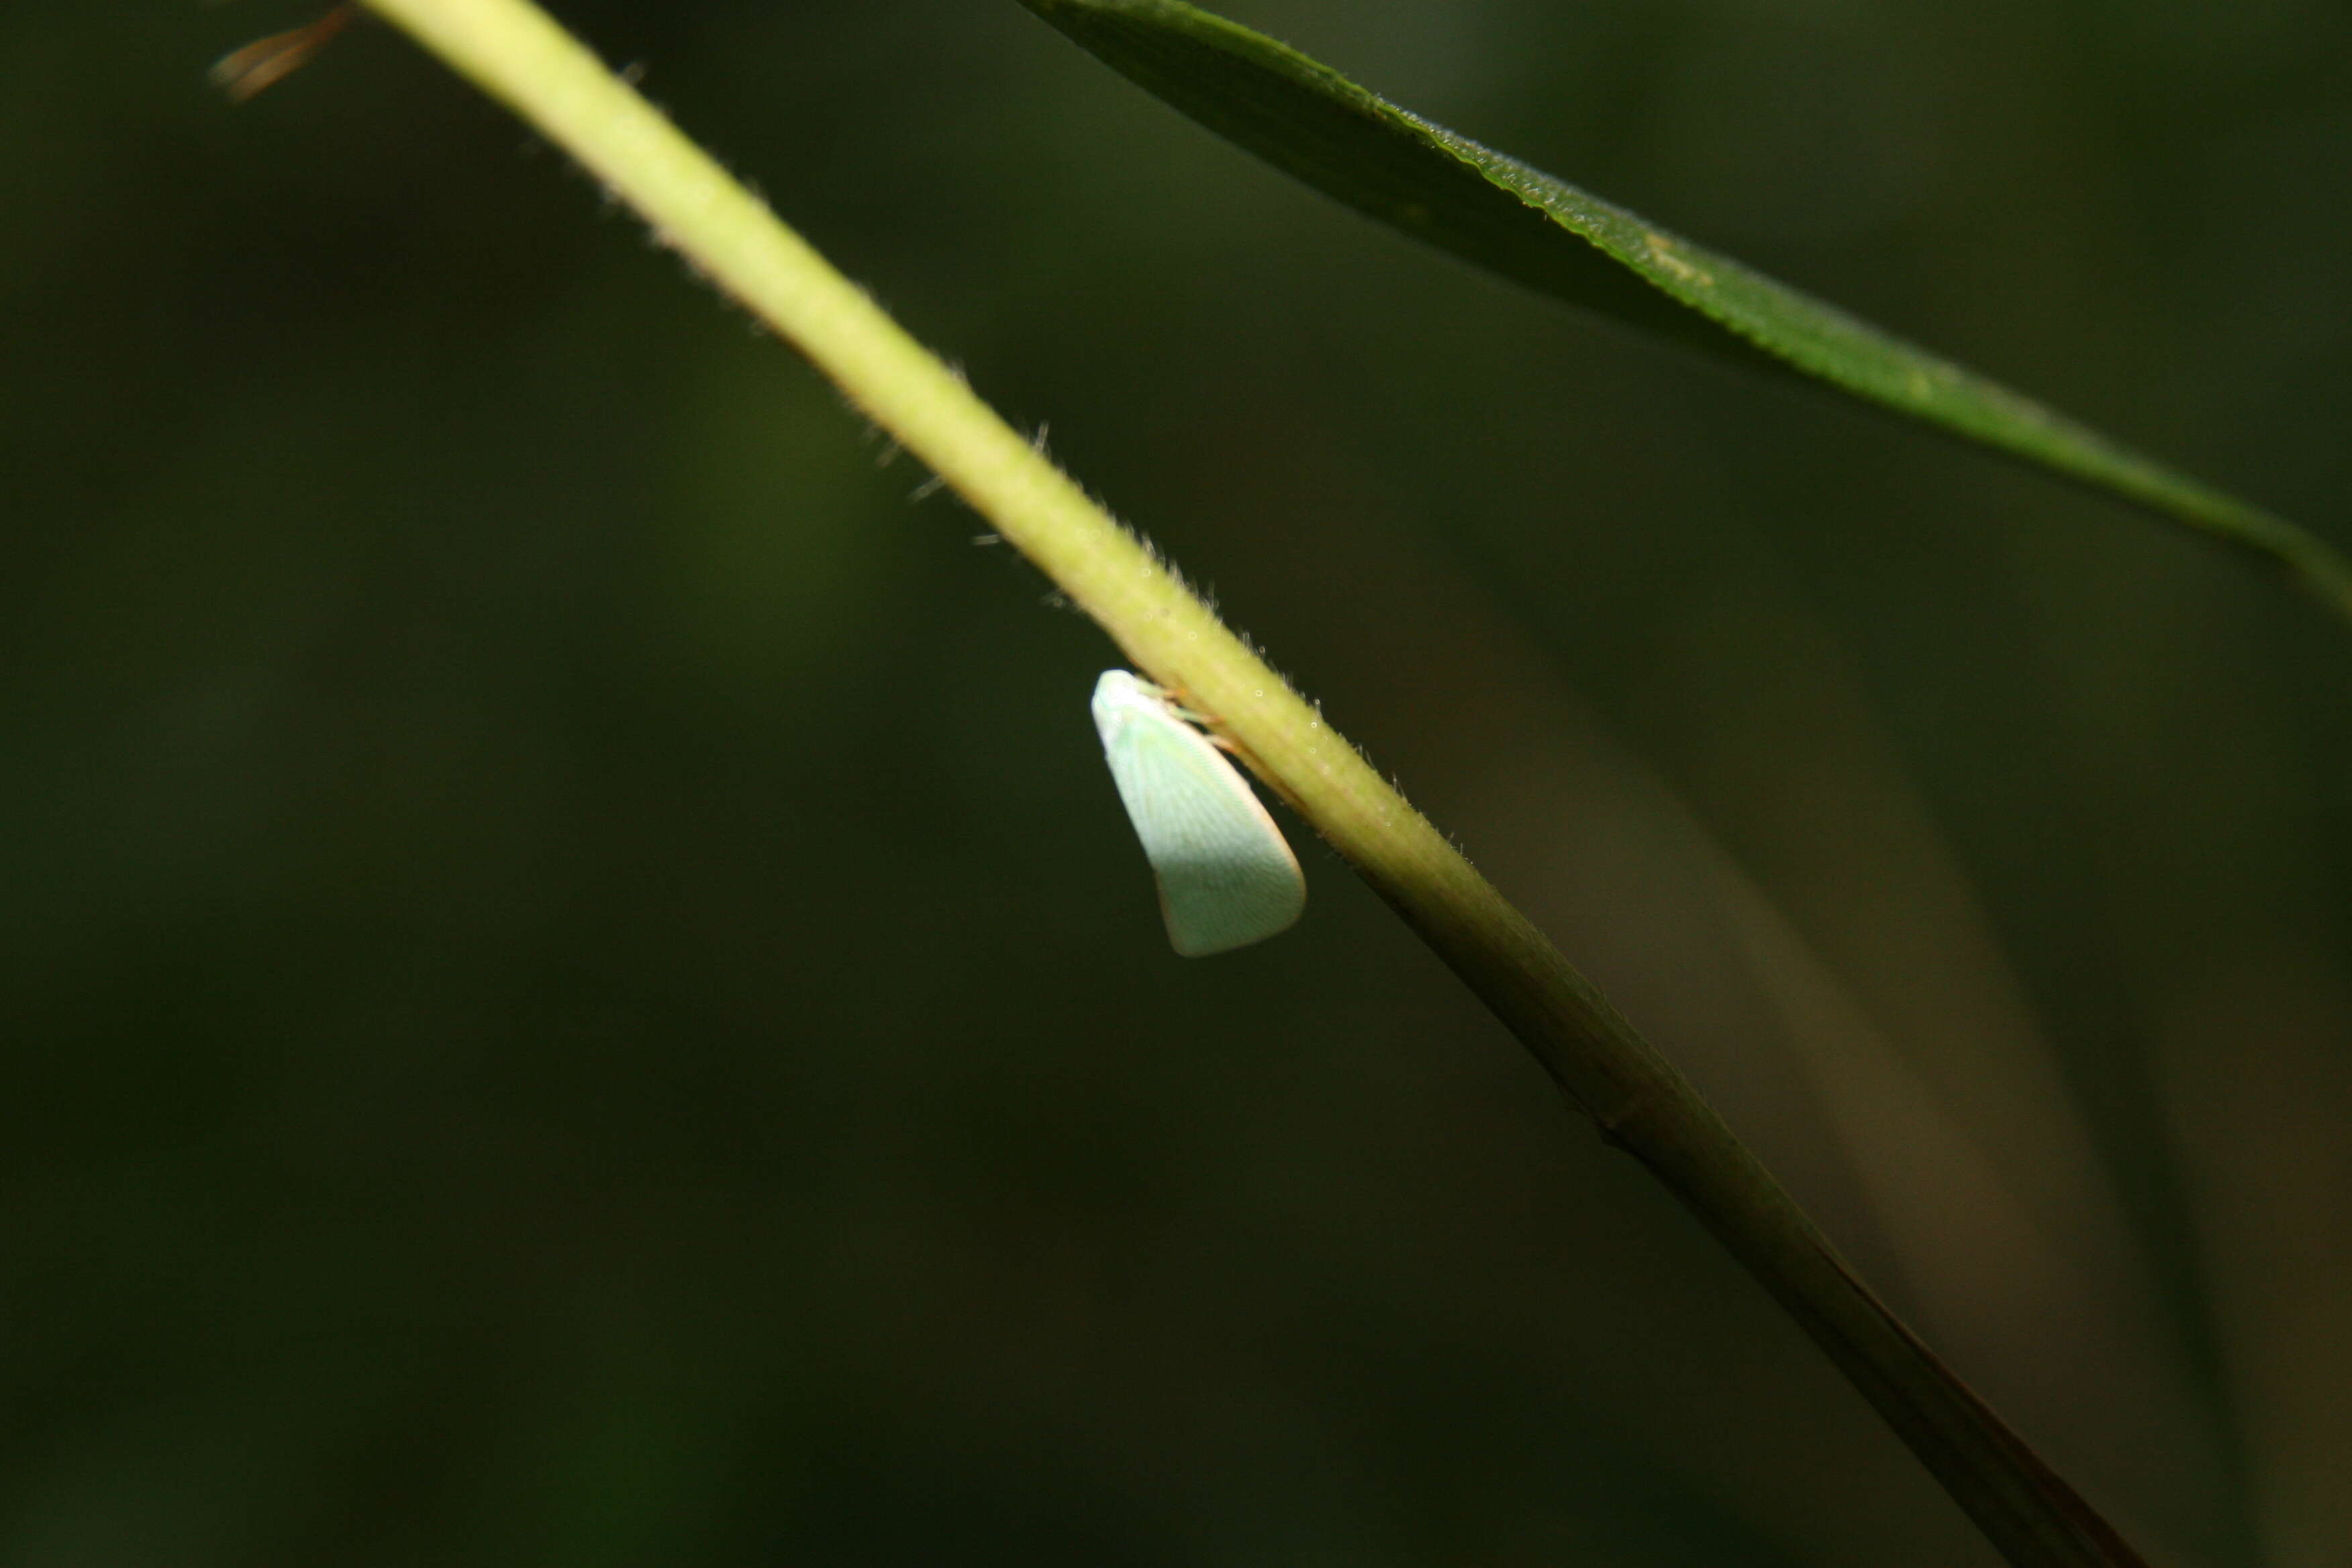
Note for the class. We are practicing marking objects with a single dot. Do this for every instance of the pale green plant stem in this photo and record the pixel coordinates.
(515, 53)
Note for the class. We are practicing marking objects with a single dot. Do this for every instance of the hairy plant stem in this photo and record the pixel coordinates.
(515, 53)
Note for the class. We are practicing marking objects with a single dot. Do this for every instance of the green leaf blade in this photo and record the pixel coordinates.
(1549, 235)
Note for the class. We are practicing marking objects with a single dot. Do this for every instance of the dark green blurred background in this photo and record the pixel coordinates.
(577, 990)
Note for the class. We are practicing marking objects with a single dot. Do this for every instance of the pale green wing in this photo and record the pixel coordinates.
(1226, 877)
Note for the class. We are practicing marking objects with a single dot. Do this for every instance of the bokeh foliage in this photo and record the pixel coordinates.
(581, 995)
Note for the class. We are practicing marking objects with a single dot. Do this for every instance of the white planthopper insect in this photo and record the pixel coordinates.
(1226, 877)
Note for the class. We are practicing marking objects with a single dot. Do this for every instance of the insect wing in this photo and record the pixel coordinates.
(1226, 877)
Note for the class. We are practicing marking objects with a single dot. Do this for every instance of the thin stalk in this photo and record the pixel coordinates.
(514, 52)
